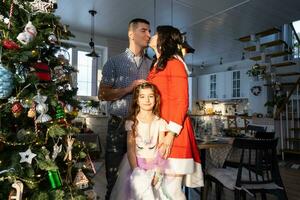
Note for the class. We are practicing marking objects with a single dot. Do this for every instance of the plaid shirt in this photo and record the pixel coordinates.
(119, 72)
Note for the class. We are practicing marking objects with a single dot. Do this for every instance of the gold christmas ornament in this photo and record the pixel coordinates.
(68, 108)
(34, 53)
(31, 113)
(81, 181)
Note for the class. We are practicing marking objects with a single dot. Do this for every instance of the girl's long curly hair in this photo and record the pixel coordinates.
(135, 108)
(169, 43)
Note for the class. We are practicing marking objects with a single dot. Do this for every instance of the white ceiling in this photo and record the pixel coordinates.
(212, 26)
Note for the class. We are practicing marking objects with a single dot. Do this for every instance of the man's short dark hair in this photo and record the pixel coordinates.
(134, 22)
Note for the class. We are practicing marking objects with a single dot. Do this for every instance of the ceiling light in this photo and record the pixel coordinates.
(202, 65)
(243, 56)
(91, 43)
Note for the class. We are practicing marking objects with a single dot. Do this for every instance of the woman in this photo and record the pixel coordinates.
(169, 74)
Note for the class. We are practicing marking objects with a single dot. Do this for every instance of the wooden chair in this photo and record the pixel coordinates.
(257, 171)
(231, 122)
(252, 129)
(264, 135)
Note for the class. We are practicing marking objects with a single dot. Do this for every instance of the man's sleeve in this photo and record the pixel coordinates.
(108, 73)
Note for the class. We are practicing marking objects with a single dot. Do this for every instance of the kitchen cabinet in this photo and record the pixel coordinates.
(224, 85)
(203, 87)
(237, 84)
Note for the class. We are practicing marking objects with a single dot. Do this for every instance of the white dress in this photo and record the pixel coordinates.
(147, 136)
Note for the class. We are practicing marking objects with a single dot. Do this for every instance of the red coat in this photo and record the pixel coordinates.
(172, 83)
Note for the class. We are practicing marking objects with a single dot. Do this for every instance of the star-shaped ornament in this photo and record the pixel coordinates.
(27, 156)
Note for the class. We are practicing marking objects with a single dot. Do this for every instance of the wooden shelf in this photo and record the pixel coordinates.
(266, 45)
(283, 84)
(293, 139)
(291, 151)
(198, 115)
(284, 118)
(289, 74)
(272, 55)
(260, 34)
(283, 64)
(294, 129)
(239, 116)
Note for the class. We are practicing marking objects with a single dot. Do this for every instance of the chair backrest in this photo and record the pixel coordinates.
(231, 121)
(264, 135)
(258, 161)
(254, 128)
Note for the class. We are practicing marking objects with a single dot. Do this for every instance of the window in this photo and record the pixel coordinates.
(236, 84)
(213, 86)
(89, 74)
(84, 75)
(296, 49)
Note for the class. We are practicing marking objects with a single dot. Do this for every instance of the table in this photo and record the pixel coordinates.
(222, 142)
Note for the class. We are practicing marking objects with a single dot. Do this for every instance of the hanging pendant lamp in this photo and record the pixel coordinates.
(185, 45)
(91, 43)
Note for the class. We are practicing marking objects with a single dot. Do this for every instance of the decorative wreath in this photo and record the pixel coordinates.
(256, 90)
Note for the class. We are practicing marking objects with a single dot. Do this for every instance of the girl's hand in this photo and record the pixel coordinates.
(155, 180)
(166, 145)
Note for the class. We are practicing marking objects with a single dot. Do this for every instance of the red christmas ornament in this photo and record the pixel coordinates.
(17, 109)
(42, 71)
(9, 44)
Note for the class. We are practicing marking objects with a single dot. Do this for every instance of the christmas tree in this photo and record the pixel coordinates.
(39, 155)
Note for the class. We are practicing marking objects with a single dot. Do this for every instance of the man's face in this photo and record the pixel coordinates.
(140, 35)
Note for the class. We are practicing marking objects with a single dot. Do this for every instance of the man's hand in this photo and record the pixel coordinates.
(108, 93)
(136, 83)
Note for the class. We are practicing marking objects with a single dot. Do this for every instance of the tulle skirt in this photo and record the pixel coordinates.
(121, 189)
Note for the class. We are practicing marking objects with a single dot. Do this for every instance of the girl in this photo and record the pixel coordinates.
(170, 75)
(141, 170)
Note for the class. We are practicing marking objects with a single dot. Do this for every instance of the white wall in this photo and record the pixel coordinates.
(114, 46)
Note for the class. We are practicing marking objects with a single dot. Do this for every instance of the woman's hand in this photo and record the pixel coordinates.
(166, 145)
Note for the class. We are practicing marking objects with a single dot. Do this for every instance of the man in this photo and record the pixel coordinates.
(119, 76)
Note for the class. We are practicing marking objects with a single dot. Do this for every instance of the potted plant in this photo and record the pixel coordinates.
(256, 72)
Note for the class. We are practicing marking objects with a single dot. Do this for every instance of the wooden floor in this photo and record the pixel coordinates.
(290, 177)
(291, 180)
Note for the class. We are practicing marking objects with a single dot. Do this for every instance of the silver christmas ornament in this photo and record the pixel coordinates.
(6, 82)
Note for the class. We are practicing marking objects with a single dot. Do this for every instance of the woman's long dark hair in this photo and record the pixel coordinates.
(169, 43)
(135, 108)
